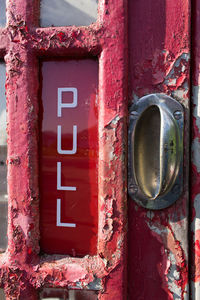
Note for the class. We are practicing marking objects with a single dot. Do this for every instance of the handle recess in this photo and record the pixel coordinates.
(155, 151)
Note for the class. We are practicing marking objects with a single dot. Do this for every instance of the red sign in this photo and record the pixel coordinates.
(69, 157)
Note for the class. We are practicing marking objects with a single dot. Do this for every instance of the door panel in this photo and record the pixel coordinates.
(159, 53)
(159, 50)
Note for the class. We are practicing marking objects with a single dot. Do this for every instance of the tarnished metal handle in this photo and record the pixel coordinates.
(155, 151)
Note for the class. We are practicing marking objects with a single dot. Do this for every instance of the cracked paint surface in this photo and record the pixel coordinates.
(195, 154)
(159, 53)
(22, 44)
(159, 62)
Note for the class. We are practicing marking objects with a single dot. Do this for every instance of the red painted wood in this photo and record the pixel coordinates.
(23, 46)
(159, 46)
(80, 170)
(159, 62)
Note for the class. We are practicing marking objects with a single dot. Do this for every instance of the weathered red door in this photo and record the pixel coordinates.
(67, 111)
(159, 62)
(66, 91)
(164, 58)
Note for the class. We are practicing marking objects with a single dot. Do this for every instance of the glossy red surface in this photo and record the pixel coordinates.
(79, 170)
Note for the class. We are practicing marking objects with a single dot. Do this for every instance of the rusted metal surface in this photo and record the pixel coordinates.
(23, 270)
(159, 34)
(195, 157)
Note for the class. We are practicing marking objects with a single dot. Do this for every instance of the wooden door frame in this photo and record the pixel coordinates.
(22, 43)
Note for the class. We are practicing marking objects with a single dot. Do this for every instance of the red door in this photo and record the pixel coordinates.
(67, 112)
(66, 91)
(159, 62)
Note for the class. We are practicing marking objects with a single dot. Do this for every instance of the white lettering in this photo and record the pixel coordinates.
(61, 105)
(58, 219)
(66, 105)
(59, 147)
(59, 187)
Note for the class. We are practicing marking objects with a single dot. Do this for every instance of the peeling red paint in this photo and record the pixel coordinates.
(61, 36)
(159, 62)
(159, 53)
(195, 171)
(22, 43)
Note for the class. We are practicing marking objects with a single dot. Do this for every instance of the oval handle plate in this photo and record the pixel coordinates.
(155, 142)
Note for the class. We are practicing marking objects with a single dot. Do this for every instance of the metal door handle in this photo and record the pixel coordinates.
(155, 151)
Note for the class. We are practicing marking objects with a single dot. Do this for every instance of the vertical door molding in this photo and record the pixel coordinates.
(195, 157)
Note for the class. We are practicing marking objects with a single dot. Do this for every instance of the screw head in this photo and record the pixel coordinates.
(177, 114)
(133, 188)
(134, 114)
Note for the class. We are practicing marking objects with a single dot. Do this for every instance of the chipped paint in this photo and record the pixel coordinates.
(159, 62)
(23, 43)
(195, 154)
(176, 256)
(159, 47)
(195, 195)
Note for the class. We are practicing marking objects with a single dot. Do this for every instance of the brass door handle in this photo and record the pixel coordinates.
(155, 141)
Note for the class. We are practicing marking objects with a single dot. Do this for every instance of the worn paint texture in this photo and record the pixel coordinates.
(22, 43)
(195, 157)
(159, 57)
